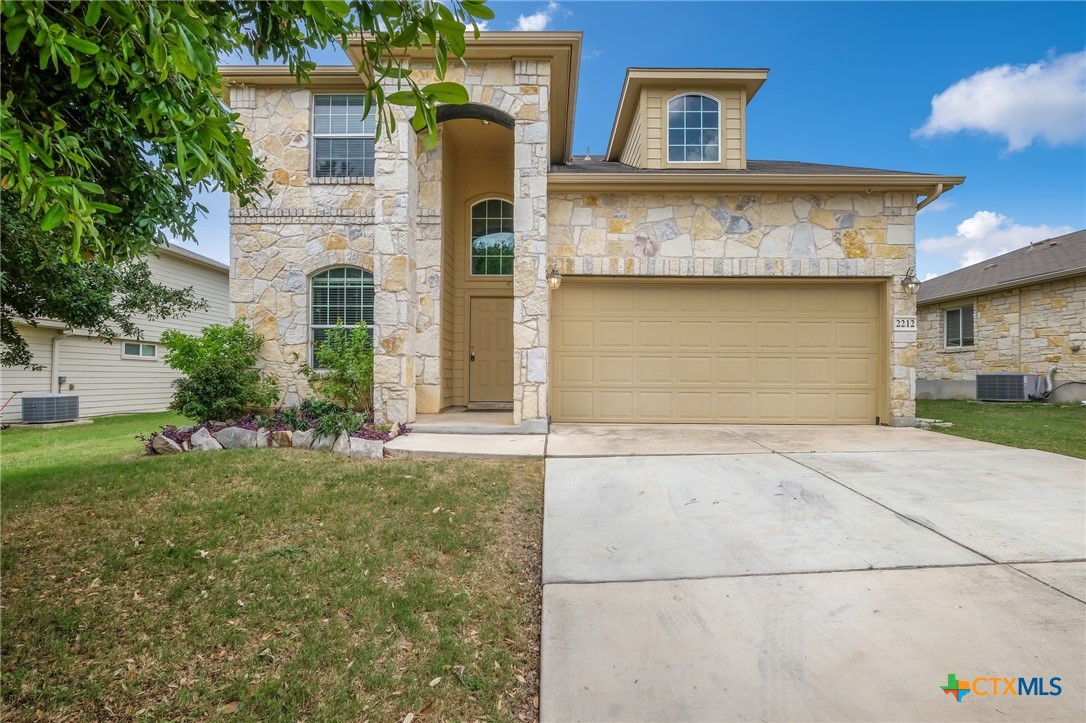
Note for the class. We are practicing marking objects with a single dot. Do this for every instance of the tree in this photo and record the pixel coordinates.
(112, 118)
(98, 297)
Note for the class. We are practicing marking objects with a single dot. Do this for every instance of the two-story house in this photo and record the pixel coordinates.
(671, 279)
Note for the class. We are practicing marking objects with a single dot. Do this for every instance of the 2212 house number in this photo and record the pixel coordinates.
(905, 323)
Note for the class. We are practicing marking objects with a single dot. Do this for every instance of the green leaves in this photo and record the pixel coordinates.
(112, 116)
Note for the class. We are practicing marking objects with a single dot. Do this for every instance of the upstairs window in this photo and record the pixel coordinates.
(492, 238)
(341, 295)
(342, 140)
(693, 129)
(959, 326)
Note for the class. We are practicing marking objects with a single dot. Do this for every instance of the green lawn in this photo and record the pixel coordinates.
(263, 584)
(1059, 428)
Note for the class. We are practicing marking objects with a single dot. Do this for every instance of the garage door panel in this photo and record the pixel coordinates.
(654, 352)
(773, 371)
(735, 407)
(814, 335)
(735, 370)
(773, 406)
(693, 371)
(694, 335)
(616, 370)
(616, 405)
(814, 371)
(733, 335)
(855, 335)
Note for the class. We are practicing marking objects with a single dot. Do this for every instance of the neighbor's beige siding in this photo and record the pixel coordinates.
(732, 116)
(106, 382)
(1027, 329)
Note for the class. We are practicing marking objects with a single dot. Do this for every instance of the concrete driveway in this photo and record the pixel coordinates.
(808, 573)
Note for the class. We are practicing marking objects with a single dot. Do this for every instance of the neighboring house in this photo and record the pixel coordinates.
(128, 375)
(697, 285)
(1024, 311)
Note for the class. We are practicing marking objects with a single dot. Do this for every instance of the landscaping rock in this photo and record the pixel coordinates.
(236, 438)
(367, 448)
(165, 445)
(262, 440)
(302, 438)
(396, 430)
(186, 429)
(342, 445)
(202, 441)
(281, 438)
(323, 443)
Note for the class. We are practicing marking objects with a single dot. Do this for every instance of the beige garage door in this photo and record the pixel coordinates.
(725, 352)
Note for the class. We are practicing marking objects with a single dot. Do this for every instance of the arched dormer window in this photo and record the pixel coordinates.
(342, 294)
(492, 238)
(693, 129)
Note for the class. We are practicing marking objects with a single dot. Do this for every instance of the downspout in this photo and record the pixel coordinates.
(931, 197)
(54, 363)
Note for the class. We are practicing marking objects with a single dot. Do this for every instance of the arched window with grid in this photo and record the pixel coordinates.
(343, 294)
(693, 129)
(492, 238)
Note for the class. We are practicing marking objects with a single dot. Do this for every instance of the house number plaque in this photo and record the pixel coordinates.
(904, 323)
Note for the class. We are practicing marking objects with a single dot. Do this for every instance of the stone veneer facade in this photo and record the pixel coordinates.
(391, 225)
(1025, 329)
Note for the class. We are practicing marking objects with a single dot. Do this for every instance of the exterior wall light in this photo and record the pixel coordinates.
(554, 279)
(910, 282)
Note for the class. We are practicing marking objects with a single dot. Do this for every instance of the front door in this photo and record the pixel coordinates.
(490, 359)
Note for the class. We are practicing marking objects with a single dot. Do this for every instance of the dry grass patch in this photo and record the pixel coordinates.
(270, 585)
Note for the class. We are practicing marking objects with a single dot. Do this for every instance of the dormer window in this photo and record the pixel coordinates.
(693, 129)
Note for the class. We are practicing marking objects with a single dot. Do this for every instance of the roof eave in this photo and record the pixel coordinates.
(750, 181)
(1027, 281)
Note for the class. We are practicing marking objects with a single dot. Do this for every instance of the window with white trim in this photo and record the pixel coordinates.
(693, 129)
(342, 139)
(958, 324)
(340, 295)
(136, 350)
(492, 238)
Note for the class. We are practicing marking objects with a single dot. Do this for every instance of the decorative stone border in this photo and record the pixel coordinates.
(240, 438)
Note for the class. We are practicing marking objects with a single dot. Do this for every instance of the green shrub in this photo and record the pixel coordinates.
(221, 379)
(344, 373)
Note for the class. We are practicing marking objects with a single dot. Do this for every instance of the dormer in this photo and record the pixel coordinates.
(684, 118)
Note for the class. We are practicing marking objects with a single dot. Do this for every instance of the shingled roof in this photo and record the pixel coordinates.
(597, 164)
(1052, 258)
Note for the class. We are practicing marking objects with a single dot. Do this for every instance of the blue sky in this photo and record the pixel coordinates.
(853, 84)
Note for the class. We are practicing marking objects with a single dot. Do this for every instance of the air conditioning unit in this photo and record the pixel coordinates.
(1009, 387)
(42, 408)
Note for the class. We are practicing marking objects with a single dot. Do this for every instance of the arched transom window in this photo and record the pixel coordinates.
(693, 129)
(492, 238)
(343, 294)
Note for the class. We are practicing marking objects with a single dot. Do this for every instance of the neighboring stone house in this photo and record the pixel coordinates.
(128, 375)
(697, 285)
(1024, 311)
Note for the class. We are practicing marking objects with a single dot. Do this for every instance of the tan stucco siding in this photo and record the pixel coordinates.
(732, 148)
(1025, 329)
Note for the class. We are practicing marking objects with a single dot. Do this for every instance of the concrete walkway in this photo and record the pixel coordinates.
(807, 573)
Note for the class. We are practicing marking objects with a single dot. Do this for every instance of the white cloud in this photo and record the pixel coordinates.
(538, 20)
(986, 234)
(929, 276)
(1044, 100)
(592, 54)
